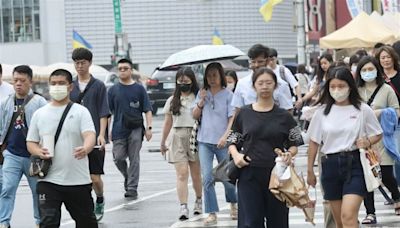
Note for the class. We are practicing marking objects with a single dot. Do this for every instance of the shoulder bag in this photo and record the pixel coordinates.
(40, 167)
(15, 115)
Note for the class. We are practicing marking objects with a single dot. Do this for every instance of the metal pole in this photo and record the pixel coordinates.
(301, 34)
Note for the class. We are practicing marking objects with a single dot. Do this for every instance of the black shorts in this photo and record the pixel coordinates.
(96, 161)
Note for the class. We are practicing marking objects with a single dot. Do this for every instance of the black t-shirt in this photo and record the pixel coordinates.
(17, 140)
(396, 83)
(259, 133)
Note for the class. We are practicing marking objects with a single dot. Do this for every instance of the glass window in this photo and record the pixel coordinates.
(19, 21)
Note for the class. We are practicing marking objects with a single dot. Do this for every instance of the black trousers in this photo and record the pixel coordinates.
(389, 181)
(77, 199)
(256, 203)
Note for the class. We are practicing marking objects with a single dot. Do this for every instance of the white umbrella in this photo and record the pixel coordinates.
(201, 54)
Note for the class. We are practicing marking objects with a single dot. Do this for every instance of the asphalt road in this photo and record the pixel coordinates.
(157, 205)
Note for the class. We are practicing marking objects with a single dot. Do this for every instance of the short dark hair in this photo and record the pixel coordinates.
(264, 70)
(62, 72)
(396, 47)
(125, 61)
(301, 68)
(273, 52)
(82, 54)
(344, 74)
(361, 53)
(354, 59)
(258, 50)
(24, 69)
(378, 45)
(369, 59)
(218, 66)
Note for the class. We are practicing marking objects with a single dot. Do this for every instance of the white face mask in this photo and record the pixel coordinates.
(230, 86)
(339, 95)
(58, 92)
(369, 76)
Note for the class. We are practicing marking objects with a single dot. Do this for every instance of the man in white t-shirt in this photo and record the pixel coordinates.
(285, 74)
(245, 93)
(68, 180)
(5, 88)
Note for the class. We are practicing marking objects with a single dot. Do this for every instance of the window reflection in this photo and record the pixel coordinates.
(19, 21)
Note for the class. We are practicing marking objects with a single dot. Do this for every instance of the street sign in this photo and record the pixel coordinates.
(117, 16)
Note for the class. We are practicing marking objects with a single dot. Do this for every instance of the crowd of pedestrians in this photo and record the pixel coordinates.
(245, 120)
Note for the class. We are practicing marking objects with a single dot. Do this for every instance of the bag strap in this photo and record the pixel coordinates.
(82, 94)
(282, 73)
(387, 80)
(371, 99)
(60, 124)
(16, 114)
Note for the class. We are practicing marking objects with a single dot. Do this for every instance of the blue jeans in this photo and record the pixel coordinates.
(206, 155)
(13, 168)
(1, 177)
(396, 167)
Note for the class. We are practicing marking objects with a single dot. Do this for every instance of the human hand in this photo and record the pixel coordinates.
(221, 142)
(363, 143)
(43, 153)
(80, 152)
(102, 142)
(148, 135)
(298, 103)
(241, 160)
(311, 179)
(163, 149)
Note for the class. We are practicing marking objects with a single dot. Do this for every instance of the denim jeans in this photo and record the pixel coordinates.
(1, 177)
(206, 155)
(396, 166)
(13, 168)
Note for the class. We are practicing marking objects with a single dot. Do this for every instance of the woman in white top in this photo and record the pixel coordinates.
(336, 128)
(178, 117)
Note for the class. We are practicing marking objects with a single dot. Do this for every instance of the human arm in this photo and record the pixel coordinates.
(311, 93)
(89, 140)
(200, 102)
(312, 153)
(222, 140)
(101, 140)
(149, 118)
(166, 129)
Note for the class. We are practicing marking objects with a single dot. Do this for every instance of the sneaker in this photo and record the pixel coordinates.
(99, 210)
(210, 220)
(198, 207)
(131, 194)
(234, 211)
(184, 213)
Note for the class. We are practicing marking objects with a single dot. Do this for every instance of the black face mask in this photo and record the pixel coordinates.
(185, 87)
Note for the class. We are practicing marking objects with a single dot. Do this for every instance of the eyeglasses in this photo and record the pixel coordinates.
(123, 68)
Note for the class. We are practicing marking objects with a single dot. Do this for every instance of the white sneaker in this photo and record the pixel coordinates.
(184, 213)
(198, 207)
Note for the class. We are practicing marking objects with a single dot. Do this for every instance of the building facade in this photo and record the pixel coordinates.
(40, 31)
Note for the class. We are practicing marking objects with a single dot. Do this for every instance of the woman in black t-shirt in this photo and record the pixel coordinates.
(258, 129)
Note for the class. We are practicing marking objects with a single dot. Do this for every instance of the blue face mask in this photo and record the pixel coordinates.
(369, 76)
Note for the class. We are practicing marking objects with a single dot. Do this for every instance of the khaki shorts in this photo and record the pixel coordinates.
(179, 146)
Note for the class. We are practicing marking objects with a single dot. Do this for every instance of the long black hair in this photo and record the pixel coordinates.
(344, 74)
(364, 61)
(320, 71)
(176, 99)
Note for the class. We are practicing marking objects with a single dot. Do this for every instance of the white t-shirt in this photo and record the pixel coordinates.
(5, 90)
(288, 75)
(66, 170)
(339, 130)
(245, 94)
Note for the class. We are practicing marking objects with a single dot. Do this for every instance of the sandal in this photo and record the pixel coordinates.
(369, 219)
(397, 208)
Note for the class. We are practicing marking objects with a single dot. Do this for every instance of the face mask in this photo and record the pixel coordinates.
(353, 69)
(369, 76)
(185, 87)
(58, 92)
(339, 95)
(230, 86)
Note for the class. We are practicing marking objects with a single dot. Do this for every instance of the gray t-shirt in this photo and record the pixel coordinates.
(66, 170)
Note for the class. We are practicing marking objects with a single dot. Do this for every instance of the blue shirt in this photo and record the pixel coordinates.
(130, 99)
(16, 143)
(215, 116)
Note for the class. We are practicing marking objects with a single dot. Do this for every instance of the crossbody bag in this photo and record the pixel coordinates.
(40, 167)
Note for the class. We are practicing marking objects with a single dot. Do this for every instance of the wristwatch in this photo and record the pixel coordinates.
(149, 128)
